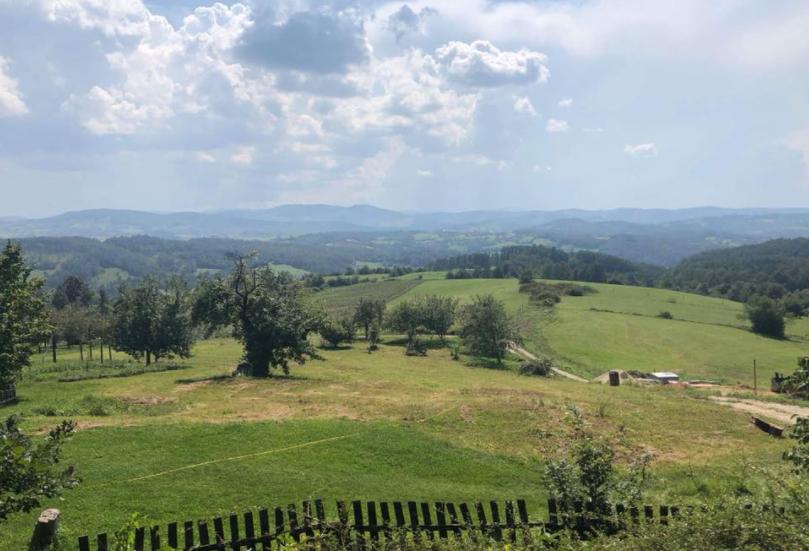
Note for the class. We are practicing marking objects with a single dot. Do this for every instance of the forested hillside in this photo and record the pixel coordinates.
(551, 263)
(778, 269)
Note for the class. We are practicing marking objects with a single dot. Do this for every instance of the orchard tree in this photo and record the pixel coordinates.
(29, 473)
(337, 330)
(369, 311)
(151, 321)
(23, 319)
(73, 291)
(407, 317)
(486, 328)
(439, 314)
(269, 313)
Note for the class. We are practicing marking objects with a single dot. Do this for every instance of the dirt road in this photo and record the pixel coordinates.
(783, 413)
(514, 347)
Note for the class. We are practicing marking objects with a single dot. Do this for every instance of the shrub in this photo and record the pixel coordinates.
(766, 316)
(665, 314)
(541, 367)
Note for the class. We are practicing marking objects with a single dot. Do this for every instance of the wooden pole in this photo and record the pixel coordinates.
(45, 529)
(755, 379)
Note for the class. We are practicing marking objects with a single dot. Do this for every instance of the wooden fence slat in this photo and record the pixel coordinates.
(384, 510)
(233, 520)
(648, 512)
(675, 511)
(664, 515)
(481, 512)
(358, 524)
(320, 511)
(497, 532)
(264, 529)
(453, 518)
(522, 511)
(278, 513)
(292, 516)
(579, 516)
(441, 519)
(188, 534)
(101, 542)
(372, 522)
(428, 521)
(140, 536)
(154, 538)
(219, 532)
(553, 517)
(467, 516)
(308, 517)
(398, 513)
(635, 514)
(84, 543)
(171, 534)
(413, 510)
(204, 537)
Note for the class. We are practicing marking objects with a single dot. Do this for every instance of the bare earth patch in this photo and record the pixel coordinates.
(782, 413)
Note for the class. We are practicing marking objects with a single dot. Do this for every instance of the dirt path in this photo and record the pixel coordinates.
(526, 354)
(782, 413)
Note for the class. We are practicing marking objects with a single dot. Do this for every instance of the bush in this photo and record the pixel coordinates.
(541, 367)
(665, 314)
(766, 316)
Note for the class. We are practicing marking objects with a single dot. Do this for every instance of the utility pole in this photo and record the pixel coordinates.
(755, 379)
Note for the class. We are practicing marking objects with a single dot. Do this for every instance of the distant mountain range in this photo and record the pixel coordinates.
(658, 236)
(306, 219)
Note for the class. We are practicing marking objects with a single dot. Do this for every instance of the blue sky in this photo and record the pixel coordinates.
(443, 104)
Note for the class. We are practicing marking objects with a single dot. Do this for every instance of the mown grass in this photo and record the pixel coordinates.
(618, 328)
(422, 428)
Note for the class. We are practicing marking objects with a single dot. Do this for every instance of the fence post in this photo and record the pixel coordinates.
(45, 529)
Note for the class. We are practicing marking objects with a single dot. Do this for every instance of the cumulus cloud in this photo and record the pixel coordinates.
(481, 64)
(244, 156)
(641, 150)
(406, 21)
(555, 125)
(317, 42)
(565, 102)
(523, 105)
(11, 100)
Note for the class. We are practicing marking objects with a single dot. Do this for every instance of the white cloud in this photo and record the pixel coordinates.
(523, 105)
(555, 125)
(244, 156)
(596, 129)
(641, 150)
(204, 157)
(11, 100)
(479, 160)
(565, 102)
(482, 64)
(425, 173)
(799, 141)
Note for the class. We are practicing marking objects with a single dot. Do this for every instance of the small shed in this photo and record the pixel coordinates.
(665, 377)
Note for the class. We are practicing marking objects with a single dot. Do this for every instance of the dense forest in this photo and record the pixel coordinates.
(550, 263)
(778, 269)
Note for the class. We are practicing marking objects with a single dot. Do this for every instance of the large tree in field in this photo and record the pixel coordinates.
(486, 328)
(23, 320)
(269, 314)
(407, 317)
(439, 313)
(369, 312)
(766, 316)
(153, 321)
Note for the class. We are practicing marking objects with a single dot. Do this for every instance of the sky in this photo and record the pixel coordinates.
(174, 105)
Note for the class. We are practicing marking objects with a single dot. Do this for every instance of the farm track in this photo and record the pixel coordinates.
(783, 413)
(515, 348)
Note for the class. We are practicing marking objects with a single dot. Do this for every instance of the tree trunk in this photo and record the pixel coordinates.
(148, 358)
(101, 348)
(261, 370)
(91, 351)
(109, 352)
(81, 351)
(53, 347)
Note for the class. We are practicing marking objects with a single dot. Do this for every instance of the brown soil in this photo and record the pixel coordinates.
(783, 413)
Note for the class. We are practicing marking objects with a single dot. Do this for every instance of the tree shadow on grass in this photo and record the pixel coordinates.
(487, 363)
(429, 344)
(226, 378)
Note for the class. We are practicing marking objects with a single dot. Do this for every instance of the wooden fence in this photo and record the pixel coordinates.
(376, 522)
(8, 396)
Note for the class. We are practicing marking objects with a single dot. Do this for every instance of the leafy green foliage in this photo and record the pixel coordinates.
(541, 367)
(30, 473)
(766, 316)
(337, 330)
(154, 322)
(269, 313)
(23, 322)
(439, 313)
(407, 317)
(369, 311)
(486, 328)
(799, 454)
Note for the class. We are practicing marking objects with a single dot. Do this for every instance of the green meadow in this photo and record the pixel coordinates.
(183, 439)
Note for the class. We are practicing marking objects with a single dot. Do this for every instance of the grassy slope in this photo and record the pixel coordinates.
(618, 327)
(422, 428)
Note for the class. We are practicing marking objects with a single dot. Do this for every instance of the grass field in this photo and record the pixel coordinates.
(189, 441)
(354, 426)
(618, 328)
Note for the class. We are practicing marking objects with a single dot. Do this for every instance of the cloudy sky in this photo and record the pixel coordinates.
(171, 105)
